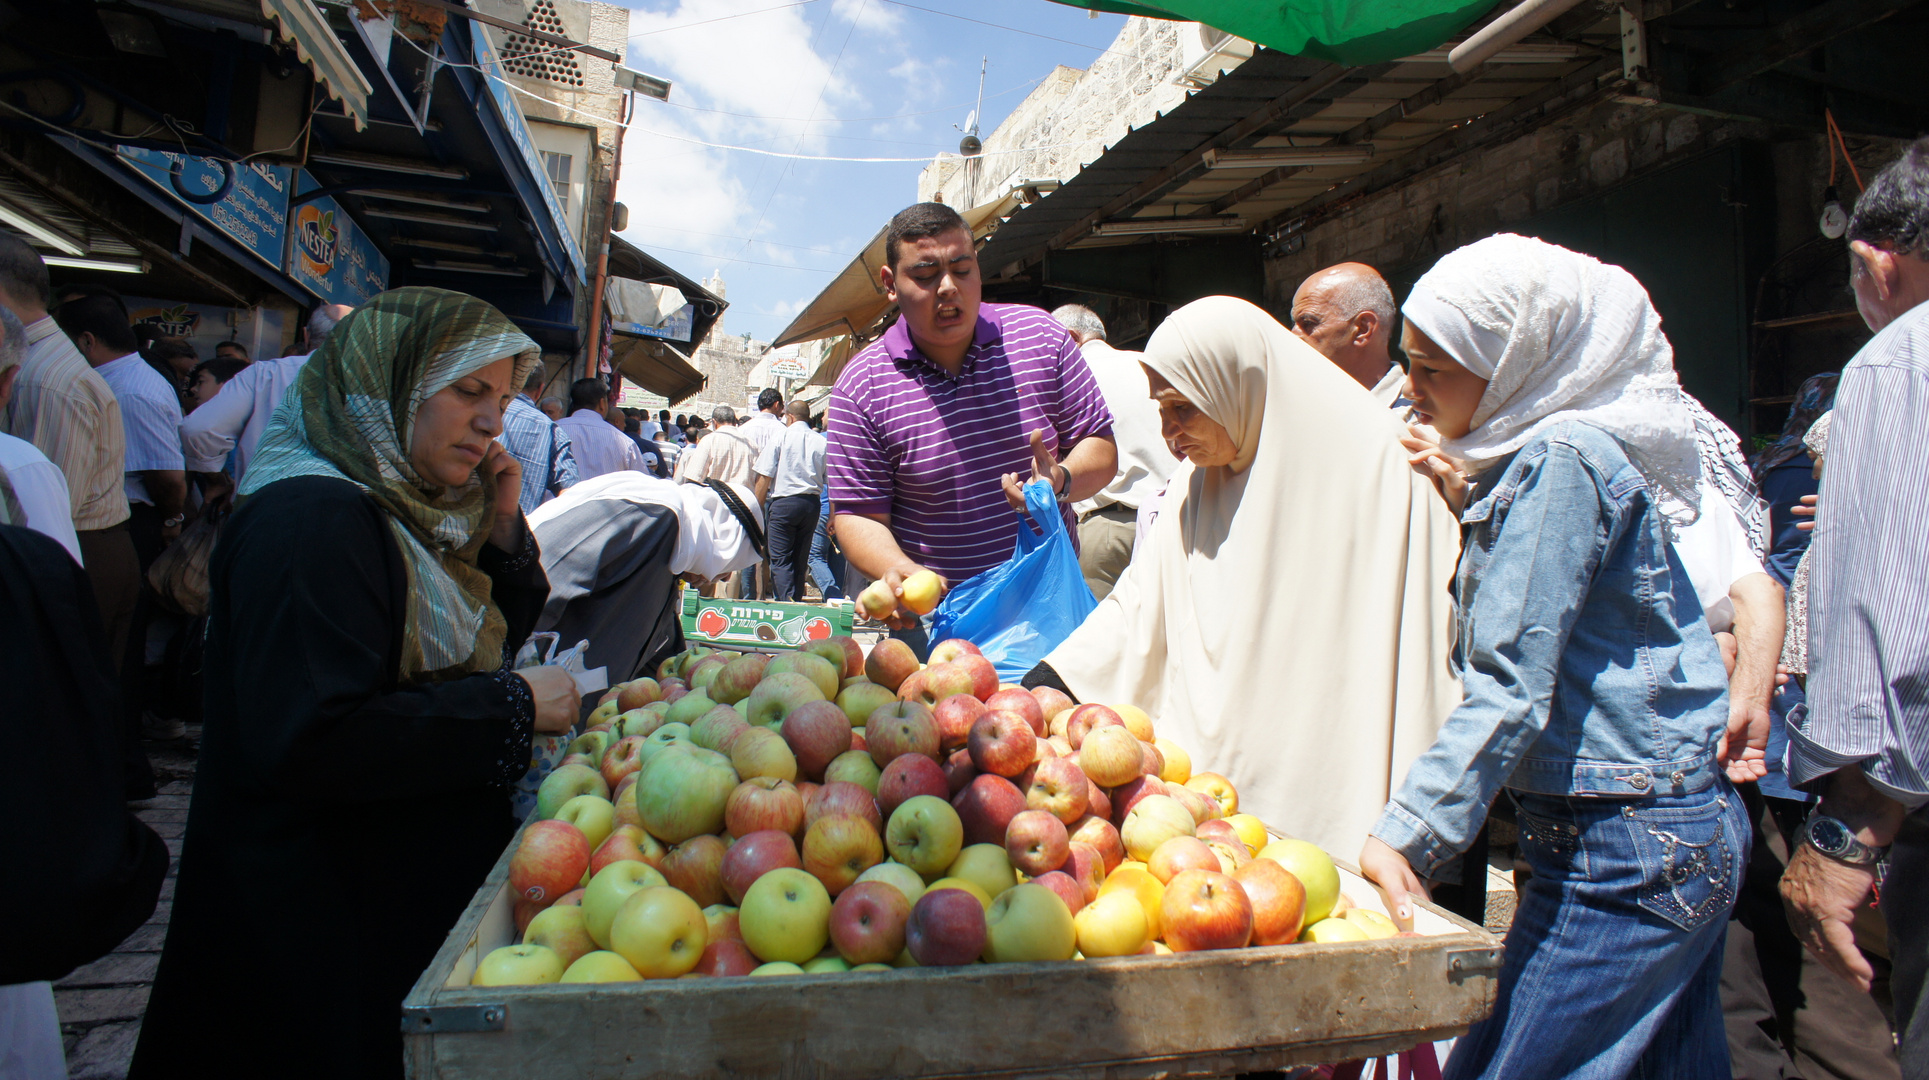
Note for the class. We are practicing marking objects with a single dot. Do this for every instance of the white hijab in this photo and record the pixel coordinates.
(1560, 336)
(1288, 619)
(710, 540)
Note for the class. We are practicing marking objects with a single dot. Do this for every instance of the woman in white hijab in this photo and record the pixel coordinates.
(1287, 623)
(1594, 692)
(614, 547)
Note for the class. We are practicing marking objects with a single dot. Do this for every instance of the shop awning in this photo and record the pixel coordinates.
(656, 366)
(1348, 32)
(300, 22)
(688, 323)
(855, 299)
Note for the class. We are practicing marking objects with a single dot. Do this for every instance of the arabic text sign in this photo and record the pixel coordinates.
(254, 212)
(505, 99)
(675, 328)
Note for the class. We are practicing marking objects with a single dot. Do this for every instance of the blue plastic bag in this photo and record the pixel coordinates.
(1017, 612)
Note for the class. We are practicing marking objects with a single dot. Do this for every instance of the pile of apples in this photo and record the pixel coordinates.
(815, 811)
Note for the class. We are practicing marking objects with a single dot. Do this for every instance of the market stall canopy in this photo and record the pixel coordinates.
(656, 366)
(642, 305)
(307, 28)
(688, 323)
(856, 299)
(1342, 31)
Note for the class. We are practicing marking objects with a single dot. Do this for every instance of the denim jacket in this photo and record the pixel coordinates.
(1587, 667)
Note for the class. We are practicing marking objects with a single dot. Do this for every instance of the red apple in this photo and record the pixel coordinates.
(1059, 788)
(715, 729)
(1084, 865)
(550, 861)
(1036, 842)
(738, 678)
(906, 776)
(890, 663)
(625, 842)
(1220, 831)
(1111, 757)
(849, 800)
(1126, 796)
(723, 922)
(1085, 718)
(1051, 701)
(840, 847)
(951, 648)
(984, 676)
(817, 732)
(806, 789)
(637, 693)
(1103, 837)
(729, 956)
(573, 896)
(986, 806)
(1067, 889)
(853, 654)
(946, 928)
(1024, 704)
(912, 689)
(764, 802)
(958, 770)
(955, 715)
(1152, 762)
(941, 681)
(1204, 909)
(753, 856)
(1002, 743)
(1179, 854)
(1097, 802)
(623, 760)
(1197, 803)
(1278, 901)
(906, 727)
(696, 867)
(868, 921)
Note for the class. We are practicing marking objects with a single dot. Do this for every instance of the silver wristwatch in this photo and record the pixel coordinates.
(1838, 842)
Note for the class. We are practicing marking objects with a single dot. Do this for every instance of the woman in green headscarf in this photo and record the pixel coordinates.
(361, 724)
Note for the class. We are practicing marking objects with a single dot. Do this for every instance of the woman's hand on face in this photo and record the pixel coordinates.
(558, 702)
(1430, 461)
(500, 469)
(1390, 871)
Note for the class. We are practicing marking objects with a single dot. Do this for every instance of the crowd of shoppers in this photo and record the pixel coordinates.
(1560, 598)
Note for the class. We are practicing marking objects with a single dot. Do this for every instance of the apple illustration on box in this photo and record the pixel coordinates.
(817, 629)
(712, 623)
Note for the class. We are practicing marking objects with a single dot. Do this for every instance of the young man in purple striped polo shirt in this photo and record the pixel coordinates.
(934, 426)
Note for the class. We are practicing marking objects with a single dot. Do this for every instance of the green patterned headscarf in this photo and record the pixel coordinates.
(350, 415)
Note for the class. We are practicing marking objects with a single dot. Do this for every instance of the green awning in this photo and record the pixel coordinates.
(302, 24)
(1350, 32)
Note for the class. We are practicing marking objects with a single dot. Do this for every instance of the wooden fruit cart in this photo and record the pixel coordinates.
(1198, 1014)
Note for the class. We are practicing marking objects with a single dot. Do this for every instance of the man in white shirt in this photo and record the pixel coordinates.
(232, 422)
(724, 454)
(1347, 313)
(767, 424)
(790, 473)
(39, 490)
(599, 446)
(155, 477)
(1107, 522)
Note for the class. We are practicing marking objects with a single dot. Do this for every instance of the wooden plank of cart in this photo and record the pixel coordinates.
(1196, 1014)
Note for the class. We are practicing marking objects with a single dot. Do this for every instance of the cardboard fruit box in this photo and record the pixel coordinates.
(1196, 1014)
(759, 624)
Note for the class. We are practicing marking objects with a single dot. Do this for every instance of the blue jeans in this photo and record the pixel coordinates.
(1613, 965)
(826, 562)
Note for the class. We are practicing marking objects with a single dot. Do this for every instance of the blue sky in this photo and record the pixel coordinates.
(824, 78)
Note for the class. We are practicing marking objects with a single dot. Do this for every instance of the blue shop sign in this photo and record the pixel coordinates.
(511, 113)
(253, 213)
(329, 254)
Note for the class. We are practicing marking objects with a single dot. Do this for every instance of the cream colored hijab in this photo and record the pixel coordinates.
(1288, 619)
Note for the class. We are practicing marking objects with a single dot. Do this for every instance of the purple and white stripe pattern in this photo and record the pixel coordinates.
(910, 441)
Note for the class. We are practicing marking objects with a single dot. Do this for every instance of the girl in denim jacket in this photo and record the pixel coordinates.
(1594, 693)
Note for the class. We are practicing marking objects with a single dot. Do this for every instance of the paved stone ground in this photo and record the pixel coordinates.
(100, 1005)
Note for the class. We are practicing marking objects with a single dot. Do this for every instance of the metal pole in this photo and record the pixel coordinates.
(1524, 19)
(595, 350)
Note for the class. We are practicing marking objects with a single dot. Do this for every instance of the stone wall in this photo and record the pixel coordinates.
(726, 363)
(1069, 119)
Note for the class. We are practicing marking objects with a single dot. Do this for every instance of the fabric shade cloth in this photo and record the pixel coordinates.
(642, 303)
(1288, 621)
(350, 414)
(1350, 32)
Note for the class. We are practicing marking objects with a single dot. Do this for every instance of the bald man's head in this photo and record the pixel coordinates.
(1347, 313)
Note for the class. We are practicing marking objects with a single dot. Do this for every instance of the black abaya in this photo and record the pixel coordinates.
(83, 871)
(341, 820)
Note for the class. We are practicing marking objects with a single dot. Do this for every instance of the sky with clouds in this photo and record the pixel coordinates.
(819, 78)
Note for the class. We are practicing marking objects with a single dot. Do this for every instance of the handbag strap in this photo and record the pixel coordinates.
(741, 512)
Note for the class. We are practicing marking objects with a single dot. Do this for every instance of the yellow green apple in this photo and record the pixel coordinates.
(986, 866)
(786, 915)
(660, 931)
(1029, 923)
(1112, 925)
(1315, 871)
(518, 965)
(599, 967)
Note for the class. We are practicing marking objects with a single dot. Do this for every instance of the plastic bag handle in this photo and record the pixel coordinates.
(1041, 506)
